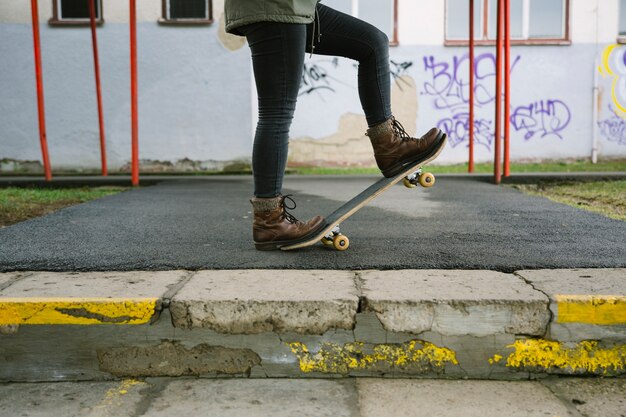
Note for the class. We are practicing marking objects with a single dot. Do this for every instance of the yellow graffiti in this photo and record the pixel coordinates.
(601, 310)
(585, 356)
(336, 359)
(611, 67)
(18, 311)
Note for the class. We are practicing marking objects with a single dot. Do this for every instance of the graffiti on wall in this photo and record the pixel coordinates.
(447, 84)
(613, 66)
(613, 128)
(316, 77)
(543, 118)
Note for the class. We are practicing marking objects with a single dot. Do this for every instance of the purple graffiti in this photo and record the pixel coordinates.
(448, 82)
(457, 129)
(544, 117)
(613, 128)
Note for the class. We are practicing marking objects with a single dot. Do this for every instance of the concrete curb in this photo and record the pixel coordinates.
(435, 323)
(152, 179)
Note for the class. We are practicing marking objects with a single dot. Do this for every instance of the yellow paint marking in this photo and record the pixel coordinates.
(113, 397)
(18, 311)
(585, 356)
(495, 359)
(337, 359)
(591, 309)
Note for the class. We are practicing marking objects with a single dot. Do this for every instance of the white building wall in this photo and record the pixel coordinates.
(197, 98)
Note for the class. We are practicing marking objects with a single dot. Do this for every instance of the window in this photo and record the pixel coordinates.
(74, 12)
(621, 38)
(382, 14)
(187, 12)
(532, 21)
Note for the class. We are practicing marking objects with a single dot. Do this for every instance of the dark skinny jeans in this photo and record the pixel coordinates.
(278, 51)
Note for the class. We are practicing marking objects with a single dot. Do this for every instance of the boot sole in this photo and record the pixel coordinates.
(275, 245)
(423, 158)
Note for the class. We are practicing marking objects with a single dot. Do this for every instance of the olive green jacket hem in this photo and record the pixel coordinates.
(232, 25)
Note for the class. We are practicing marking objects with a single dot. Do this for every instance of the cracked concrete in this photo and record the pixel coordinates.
(476, 303)
(497, 326)
(256, 301)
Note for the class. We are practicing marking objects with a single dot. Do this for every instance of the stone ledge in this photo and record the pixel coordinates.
(257, 301)
(86, 297)
(476, 303)
(585, 303)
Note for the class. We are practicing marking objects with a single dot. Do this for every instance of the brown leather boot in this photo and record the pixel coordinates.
(274, 226)
(395, 150)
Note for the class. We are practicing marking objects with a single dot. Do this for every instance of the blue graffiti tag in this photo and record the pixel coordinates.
(613, 128)
(544, 117)
(457, 129)
(448, 86)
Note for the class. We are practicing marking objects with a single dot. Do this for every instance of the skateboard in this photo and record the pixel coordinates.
(330, 235)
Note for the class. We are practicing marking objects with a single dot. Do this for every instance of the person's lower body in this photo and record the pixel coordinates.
(278, 51)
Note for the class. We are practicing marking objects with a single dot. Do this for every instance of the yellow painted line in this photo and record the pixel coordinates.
(580, 357)
(337, 359)
(76, 310)
(114, 398)
(591, 309)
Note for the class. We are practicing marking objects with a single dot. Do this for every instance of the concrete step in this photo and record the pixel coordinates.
(310, 323)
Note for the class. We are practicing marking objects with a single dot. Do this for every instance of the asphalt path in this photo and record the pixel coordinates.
(205, 223)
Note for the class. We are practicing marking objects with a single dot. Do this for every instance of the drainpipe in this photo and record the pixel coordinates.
(597, 102)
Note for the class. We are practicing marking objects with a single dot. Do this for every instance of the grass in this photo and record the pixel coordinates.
(19, 204)
(485, 168)
(604, 197)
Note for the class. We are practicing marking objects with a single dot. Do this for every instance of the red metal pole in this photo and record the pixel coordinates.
(470, 167)
(498, 134)
(507, 86)
(133, 93)
(40, 102)
(96, 63)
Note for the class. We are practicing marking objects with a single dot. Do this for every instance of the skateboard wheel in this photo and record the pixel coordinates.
(341, 242)
(426, 180)
(327, 242)
(408, 184)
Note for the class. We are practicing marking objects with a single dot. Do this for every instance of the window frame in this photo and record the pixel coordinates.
(56, 20)
(164, 20)
(621, 38)
(566, 40)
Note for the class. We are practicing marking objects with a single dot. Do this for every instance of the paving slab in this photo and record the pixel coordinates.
(598, 397)
(589, 302)
(86, 298)
(460, 223)
(476, 303)
(68, 399)
(414, 398)
(259, 398)
(256, 301)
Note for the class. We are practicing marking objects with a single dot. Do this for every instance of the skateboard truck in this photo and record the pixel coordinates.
(335, 239)
(425, 179)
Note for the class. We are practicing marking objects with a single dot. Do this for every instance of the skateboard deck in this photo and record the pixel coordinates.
(330, 234)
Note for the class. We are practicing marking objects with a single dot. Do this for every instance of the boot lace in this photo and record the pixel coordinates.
(286, 215)
(398, 129)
